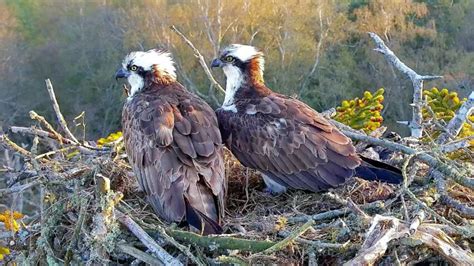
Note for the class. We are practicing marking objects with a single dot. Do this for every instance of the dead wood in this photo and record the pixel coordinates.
(417, 80)
(80, 192)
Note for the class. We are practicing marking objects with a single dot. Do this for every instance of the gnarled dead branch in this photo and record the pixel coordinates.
(415, 124)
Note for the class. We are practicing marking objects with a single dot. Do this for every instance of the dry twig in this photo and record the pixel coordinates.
(42, 120)
(385, 229)
(86, 149)
(140, 255)
(439, 241)
(381, 232)
(456, 145)
(220, 242)
(407, 191)
(463, 208)
(432, 161)
(376, 205)
(199, 56)
(57, 111)
(317, 244)
(285, 242)
(146, 239)
(77, 230)
(17, 189)
(181, 248)
(14, 146)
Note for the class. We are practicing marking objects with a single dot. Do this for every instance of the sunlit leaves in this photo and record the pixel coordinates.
(110, 139)
(9, 219)
(362, 113)
(280, 224)
(444, 104)
(4, 251)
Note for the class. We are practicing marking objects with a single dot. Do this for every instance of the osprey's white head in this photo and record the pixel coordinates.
(240, 63)
(141, 68)
(239, 55)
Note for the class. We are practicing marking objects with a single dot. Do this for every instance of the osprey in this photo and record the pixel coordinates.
(292, 145)
(173, 143)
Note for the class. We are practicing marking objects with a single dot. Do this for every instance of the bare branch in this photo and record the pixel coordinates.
(49, 153)
(18, 189)
(220, 242)
(182, 248)
(456, 145)
(454, 126)
(146, 239)
(42, 120)
(199, 56)
(315, 243)
(439, 241)
(285, 242)
(57, 111)
(385, 229)
(460, 229)
(416, 79)
(329, 113)
(322, 36)
(14, 146)
(381, 232)
(138, 254)
(446, 169)
(463, 208)
(87, 149)
(77, 230)
(334, 213)
(357, 210)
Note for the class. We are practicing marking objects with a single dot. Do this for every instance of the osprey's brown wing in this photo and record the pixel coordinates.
(289, 142)
(174, 146)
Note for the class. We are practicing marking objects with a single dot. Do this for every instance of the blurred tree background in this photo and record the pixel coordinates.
(316, 50)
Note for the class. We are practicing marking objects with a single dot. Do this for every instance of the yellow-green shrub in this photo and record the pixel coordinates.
(444, 105)
(109, 139)
(362, 113)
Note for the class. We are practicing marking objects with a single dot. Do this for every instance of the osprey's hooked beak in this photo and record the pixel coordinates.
(121, 73)
(216, 62)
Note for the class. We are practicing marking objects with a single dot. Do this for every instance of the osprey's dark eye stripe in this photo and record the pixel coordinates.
(229, 58)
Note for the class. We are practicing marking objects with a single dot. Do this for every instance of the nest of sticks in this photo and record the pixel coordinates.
(80, 205)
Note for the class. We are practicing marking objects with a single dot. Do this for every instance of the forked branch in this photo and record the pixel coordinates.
(57, 111)
(415, 124)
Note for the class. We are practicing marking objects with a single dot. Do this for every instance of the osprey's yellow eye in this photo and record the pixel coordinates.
(229, 58)
(133, 68)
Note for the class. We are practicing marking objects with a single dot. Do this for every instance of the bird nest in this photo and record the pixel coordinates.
(80, 204)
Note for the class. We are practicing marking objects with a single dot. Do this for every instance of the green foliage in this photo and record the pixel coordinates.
(110, 139)
(444, 104)
(79, 44)
(28, 16)
(362, 113)
(4, 251)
